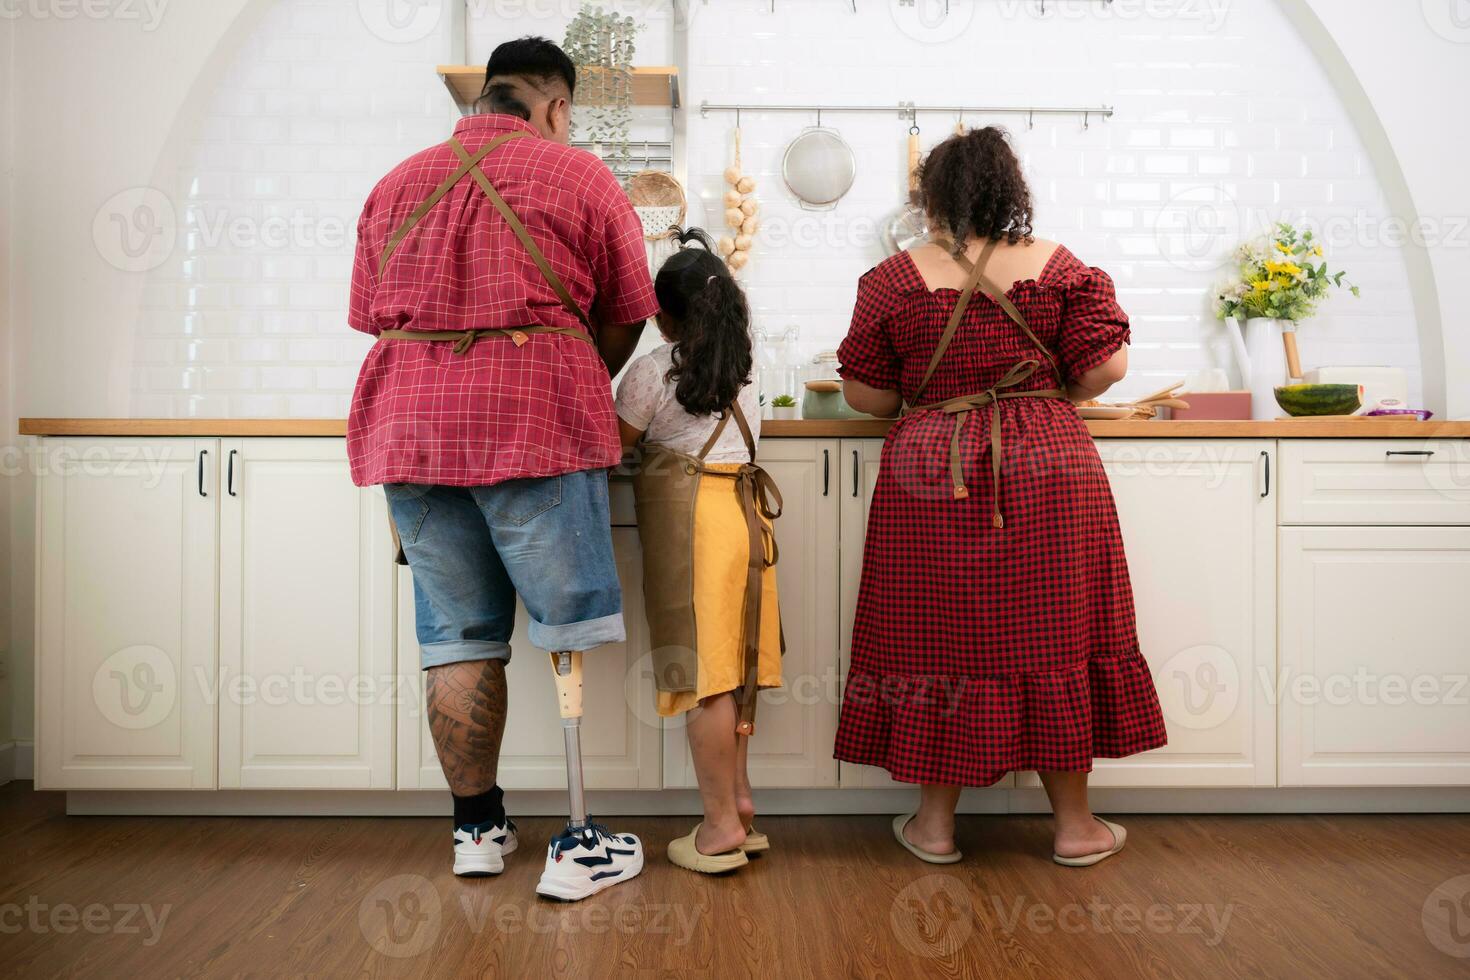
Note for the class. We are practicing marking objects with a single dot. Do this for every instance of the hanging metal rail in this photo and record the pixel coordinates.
(910, 110)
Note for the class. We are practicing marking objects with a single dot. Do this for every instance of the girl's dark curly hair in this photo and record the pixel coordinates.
(708, 320)
(972, 185)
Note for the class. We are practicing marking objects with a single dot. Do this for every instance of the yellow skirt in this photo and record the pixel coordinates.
(721, 561)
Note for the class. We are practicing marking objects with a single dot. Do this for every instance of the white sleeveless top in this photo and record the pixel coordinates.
(646, 401)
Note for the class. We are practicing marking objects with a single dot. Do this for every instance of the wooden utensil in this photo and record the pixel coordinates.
(1293, 358)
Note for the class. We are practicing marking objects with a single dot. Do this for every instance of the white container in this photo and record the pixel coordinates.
(1379, 383)
(1262, 359)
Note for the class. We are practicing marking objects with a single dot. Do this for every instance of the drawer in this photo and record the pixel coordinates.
(1375, 481)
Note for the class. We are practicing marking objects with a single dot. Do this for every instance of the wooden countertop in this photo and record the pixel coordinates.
(1363, 428)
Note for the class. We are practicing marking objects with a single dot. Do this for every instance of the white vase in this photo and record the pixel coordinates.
(1263, 367)
(783, 411)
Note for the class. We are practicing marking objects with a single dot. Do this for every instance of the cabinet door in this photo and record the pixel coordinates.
(126, 640)
(307, 680)
(1373, 685)
(860, 461)
(795, 724)
(1199, 531)
(620, 727)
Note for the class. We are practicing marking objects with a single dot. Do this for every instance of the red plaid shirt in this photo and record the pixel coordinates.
(422, 414)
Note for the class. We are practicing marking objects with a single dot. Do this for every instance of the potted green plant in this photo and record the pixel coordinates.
(783, 407)
(601, 45)
(1281, 279)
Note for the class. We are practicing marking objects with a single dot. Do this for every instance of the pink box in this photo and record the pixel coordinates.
(1214, 405)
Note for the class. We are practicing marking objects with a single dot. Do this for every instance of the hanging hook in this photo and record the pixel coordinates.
(819, 117)
(737, 117)
(1031, 119)
(1086, 120)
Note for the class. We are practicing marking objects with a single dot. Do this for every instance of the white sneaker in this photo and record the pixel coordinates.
(480, 850)
(584, 862)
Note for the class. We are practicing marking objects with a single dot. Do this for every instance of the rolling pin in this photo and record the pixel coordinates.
(1293, 358)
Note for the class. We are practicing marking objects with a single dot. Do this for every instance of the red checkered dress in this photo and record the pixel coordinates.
(979, 651)
(420, 413)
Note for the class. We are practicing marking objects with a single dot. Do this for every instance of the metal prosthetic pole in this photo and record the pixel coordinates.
(568, 670)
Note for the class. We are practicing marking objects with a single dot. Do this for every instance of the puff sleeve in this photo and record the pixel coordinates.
(867, 353)
(1094, 326)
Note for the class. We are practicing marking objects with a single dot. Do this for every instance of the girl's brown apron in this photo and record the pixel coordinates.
(961, 407)
(666, 486)
(469, 166)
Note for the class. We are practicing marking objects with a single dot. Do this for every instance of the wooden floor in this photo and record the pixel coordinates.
(1198, 897)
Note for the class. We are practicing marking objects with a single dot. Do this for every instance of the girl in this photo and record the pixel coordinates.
(704, 518)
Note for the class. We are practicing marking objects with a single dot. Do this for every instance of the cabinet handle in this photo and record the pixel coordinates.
(1422, 453)
(826, 471)
(854, 472)
(230, 473)
(202, 453)
(1267, 457)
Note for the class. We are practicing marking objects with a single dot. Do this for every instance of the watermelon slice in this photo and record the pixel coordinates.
(1303, 400)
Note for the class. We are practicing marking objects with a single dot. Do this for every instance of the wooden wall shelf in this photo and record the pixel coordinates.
(652, 86)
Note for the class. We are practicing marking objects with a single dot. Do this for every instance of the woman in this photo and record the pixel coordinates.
(709, 558)
(995, 628)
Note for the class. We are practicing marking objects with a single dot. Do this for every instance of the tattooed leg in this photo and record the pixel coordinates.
(467, 720)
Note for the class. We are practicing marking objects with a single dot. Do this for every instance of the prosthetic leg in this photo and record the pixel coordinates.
(587, 857)
(568, 670)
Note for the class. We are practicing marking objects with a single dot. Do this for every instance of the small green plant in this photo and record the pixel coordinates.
(783, 401)
(1280, 277)
(601, 45)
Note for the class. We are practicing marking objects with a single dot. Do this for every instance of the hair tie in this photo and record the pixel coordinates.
(711, 279)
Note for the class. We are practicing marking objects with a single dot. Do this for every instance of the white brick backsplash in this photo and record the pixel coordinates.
(313, 110)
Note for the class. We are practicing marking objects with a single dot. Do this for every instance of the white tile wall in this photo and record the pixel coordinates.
(1221, 115)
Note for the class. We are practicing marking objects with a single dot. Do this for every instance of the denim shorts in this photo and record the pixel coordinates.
(473, 549)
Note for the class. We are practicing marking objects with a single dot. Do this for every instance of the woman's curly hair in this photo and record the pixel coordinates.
(972, 185)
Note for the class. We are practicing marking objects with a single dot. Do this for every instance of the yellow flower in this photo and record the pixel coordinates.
(1317, 251)
(1283, 248)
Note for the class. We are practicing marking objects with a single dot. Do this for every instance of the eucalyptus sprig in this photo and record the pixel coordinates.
(601, 44)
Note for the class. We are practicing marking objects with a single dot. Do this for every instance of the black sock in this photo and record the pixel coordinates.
(487, 807)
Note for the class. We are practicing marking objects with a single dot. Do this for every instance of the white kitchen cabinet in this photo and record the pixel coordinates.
(621, 730)
(126, 606)
(796, 724)
(307, 675)
(1198, 522)
(1375, 481)
(1373, 685)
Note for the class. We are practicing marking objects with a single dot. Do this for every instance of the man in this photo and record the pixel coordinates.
(505, 276)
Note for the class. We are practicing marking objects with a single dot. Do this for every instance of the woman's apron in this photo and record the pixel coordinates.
(961, 407)
(666, 487)
(469, 166)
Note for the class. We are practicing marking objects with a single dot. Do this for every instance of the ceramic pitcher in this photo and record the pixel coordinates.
(1262, 358)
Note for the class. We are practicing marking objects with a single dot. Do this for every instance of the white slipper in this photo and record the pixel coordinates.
(683, 853)
(900, 822)
(755, 841)
(1120, 837)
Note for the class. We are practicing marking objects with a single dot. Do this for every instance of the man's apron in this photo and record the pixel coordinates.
(961, 407)
(469, 166)
(667, 486)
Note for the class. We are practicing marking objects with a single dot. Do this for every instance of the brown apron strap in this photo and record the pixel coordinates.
(464, 339)
(744, 427)
(467, 164)
(998, 296)
(537, 256)
(955, 319)
(714, 436)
